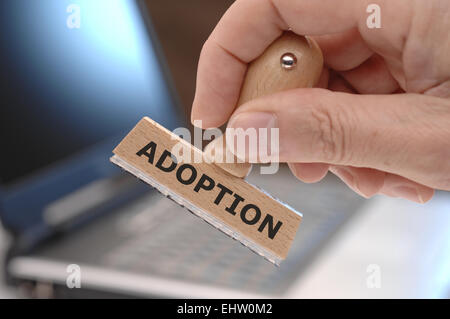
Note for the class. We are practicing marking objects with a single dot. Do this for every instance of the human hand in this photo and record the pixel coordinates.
(381, 118)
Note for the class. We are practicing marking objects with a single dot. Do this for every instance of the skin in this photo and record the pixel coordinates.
(380, 117)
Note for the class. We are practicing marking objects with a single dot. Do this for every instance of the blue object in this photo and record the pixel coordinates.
(69, 95)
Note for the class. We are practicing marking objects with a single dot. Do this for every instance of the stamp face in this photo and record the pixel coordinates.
(240, 206)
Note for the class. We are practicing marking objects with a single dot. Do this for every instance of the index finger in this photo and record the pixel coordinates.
(244, 32)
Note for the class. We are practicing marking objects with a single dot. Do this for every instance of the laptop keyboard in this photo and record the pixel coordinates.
(162, 239)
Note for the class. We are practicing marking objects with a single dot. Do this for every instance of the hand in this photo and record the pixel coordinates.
(381, 118)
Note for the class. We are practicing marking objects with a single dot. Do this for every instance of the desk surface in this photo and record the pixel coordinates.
(406, 245)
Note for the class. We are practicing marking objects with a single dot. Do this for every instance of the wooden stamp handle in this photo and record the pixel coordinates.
(292, 61)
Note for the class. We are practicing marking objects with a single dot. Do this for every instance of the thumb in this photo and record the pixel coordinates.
(404, 134)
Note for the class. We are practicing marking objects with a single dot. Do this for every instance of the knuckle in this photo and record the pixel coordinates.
(433, 137)
(441, 156)
(332, 135)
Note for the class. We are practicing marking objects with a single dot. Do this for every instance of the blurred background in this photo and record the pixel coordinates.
(75, 76)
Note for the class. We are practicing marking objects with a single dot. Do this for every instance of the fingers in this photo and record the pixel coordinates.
(397, 186)
(324, 79)
(244, 32)
(368, 182)
(344, 51)
(309, 172)
(338, 84)
(403, 134)
(364, 181)
(219, 80)
(371, 77)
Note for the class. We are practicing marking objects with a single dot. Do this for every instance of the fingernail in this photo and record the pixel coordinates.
(351, 181)
(253, 120)
(256, 121)
(409, 193)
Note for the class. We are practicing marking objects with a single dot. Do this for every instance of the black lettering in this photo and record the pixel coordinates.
(223, 190)
(191, 179)
(151, 155)
(255, 218)
(162, 159)
(201, 183)
(207, 183)
(272, 231)
(232, 208)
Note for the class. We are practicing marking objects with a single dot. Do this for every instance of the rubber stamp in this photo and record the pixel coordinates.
(218, 192)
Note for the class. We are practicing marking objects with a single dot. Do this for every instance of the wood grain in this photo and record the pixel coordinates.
(206, 198)
(266, 76)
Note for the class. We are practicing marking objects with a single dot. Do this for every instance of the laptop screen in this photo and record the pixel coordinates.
(73, 73)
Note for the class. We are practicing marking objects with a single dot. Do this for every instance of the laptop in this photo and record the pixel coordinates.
(70, 93)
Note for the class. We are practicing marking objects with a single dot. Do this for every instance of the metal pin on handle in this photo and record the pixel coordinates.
(288, 61)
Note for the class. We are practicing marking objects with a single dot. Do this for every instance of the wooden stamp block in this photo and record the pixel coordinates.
(216, 191)
(229, 203)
